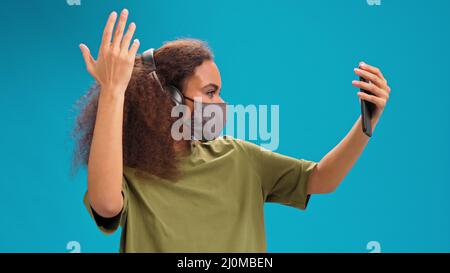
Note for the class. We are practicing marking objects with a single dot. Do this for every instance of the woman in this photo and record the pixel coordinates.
(188, 195)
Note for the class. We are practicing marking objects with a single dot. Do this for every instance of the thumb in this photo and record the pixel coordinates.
(88, 59)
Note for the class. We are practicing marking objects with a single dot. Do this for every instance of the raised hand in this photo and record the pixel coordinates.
(115, 60)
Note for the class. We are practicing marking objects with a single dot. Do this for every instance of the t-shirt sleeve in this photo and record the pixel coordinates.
(284, 179)
(109, 225)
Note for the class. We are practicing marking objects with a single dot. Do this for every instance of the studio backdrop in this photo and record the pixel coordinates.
(297, 55)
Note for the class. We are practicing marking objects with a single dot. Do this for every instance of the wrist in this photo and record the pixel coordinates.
(375, 120)
(112, 93)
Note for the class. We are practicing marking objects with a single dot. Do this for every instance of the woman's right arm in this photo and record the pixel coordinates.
(112, 70)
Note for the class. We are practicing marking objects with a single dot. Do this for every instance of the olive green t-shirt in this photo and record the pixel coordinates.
(215, 206)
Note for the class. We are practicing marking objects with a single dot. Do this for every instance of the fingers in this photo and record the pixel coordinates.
(370, 77)
(372, 69)
(375, 90)
(126, 40)
(374, 75)
(379, 102)
(134, 48)
(88, 59)
(119, 29)
(107, 32)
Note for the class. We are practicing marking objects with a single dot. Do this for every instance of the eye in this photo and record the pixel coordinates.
(211, 93)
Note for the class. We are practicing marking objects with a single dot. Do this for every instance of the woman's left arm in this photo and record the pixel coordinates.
(334, 166)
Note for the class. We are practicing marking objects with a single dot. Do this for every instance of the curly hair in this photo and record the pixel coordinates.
(147, 142)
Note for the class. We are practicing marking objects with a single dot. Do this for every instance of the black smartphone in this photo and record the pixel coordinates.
(367, 109)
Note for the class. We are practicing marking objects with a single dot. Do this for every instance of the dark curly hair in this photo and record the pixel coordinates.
(147, 142)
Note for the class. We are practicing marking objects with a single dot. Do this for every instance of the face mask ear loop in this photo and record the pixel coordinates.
(188, 98)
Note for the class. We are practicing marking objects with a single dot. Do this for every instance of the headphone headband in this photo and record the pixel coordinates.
(148, 59)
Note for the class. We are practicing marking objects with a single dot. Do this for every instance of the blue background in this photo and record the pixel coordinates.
(297, 54)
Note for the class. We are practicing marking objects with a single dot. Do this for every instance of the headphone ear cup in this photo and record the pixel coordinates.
(175, 95)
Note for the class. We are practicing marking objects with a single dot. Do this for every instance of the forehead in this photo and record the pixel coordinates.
(204, 74)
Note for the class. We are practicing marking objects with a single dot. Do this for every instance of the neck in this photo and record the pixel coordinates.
(182, 147)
